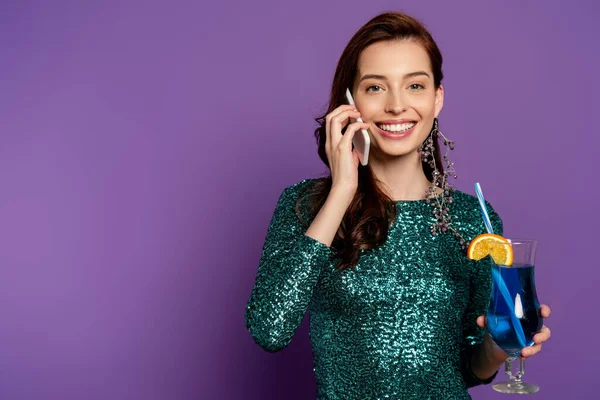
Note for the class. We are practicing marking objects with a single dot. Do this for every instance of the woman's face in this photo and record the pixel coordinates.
(394, 92)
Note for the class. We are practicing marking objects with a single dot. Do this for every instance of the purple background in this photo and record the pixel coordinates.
(144, 144)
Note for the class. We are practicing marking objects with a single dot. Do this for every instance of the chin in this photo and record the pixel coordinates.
(396, 149)
(394, 153)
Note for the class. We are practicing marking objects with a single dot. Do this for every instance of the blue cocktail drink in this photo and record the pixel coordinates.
(519, 280)
(513, 316)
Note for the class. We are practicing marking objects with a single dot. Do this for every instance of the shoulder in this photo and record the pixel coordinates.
(467, 217)
(300, 197)
(300, 189)
(470, 203)
(465, 199)
(302, 186)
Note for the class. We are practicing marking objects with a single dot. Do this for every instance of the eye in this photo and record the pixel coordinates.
(416, 86)
(374, 88)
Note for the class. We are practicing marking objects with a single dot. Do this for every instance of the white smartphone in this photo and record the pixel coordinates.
(361, 140)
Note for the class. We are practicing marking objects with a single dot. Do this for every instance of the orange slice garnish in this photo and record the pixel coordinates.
(494, 245)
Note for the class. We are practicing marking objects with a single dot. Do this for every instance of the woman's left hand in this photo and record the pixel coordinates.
(538, 339)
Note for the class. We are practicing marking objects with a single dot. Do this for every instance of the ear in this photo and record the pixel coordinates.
(439, 100)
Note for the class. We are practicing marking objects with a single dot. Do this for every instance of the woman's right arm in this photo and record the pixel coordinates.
(292, 259)
(288, 271)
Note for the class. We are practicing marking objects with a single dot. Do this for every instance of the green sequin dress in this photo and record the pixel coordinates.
(401, 325)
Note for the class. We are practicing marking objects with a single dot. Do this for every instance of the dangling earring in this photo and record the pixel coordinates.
(440, 180)
(426, 149)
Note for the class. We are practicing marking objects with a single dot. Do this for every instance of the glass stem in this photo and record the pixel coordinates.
(508, 368)
(514, 379)
(521, 369)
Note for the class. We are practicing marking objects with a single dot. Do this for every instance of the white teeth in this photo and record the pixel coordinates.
(397, 127)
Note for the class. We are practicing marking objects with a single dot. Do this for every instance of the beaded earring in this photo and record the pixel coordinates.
(440, 199)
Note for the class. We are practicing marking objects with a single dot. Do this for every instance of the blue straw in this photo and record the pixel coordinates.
(497, 276)
(486, 217)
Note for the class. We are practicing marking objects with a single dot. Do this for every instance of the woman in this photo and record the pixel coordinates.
(377, 252)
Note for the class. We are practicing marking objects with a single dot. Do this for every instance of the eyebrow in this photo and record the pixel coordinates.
(382, 77)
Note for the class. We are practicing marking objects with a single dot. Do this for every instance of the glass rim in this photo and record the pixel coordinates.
(522, 241)
(514, 266)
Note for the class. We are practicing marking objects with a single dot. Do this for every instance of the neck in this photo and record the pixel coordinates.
(403, 177)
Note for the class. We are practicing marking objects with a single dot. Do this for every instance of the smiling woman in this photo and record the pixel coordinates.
(376, 253)
(400, 100)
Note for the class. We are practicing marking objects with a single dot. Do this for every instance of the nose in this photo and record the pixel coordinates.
(395, 104)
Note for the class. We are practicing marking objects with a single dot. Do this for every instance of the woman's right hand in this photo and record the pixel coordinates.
(343, 160)
(343, 163)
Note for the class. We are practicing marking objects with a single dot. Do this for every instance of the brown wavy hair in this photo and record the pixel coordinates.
(367, 220)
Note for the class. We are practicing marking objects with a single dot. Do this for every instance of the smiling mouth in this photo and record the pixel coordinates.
(396, 128)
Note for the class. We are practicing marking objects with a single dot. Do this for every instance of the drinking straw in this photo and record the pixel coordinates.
(497, 276)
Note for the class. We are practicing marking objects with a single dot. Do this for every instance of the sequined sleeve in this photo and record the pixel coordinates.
(479, 298)
(288, 271)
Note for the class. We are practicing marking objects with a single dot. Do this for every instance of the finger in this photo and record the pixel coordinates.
(342, 108)
(328, 144)
(335, 112)
(332, 141)
(531, 351)
(342, 119)
(355, 157)
(338, 122)
(542, 336)
(545, 311)
(346, 141)
(481, 322)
